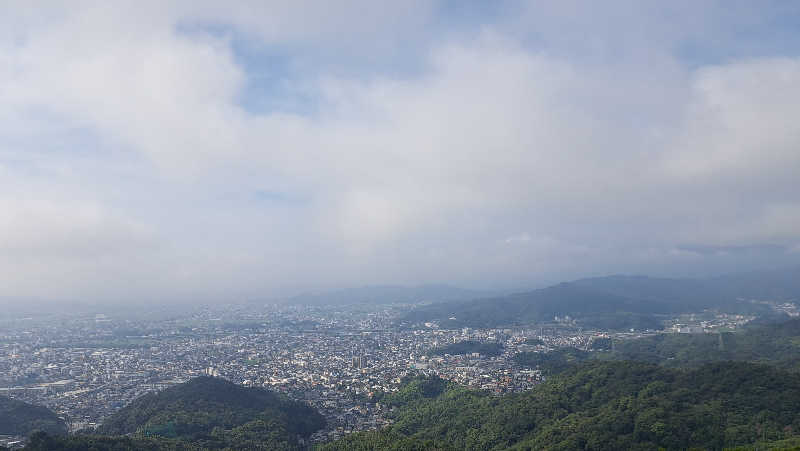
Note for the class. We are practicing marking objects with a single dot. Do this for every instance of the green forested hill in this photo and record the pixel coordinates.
(21, 418)
(620, 302)
(593, 308)
(604, 406)
(43, 442)
(204, 403)
(204, 413)
(775, 344)
(552, 362)
(213, 412)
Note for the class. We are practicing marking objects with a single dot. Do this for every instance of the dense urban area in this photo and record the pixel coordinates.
(336, 358)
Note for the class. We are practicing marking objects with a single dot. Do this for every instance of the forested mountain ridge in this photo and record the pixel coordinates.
(774, 344)
(20, 418)
(619, 302)
(603, 406)
(221, 403)
(203, 413)
(534, 307)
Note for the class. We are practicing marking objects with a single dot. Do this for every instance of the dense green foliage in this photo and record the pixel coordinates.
(416, 389)
(252, 436)
(21, 418)
(604, 406)
(468, 347)
(45, 442)
(791, 444)
(552, 362)
(204, 413)
(619, 302)
(776, 344)
(202, 404)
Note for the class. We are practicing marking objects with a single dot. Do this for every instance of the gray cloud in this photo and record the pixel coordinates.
(515, 152)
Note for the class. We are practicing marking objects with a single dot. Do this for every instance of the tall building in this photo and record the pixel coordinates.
(359, 361)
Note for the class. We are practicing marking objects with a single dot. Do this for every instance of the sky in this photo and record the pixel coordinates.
(205, 151)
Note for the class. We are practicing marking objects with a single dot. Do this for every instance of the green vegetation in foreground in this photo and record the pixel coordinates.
(792, 444)
(44, 442)
(468, 347)
(603, 406)
(21, 418)
(204, 413)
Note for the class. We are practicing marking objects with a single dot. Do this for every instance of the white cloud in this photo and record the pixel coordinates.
(740, 120)
(126, 154)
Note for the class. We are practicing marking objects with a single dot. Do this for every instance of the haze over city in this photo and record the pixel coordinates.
(444, 225)
(193, 151)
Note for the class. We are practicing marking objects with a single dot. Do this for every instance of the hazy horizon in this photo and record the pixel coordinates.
(201, 152)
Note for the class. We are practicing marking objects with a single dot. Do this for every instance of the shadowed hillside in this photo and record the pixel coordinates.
(621, 302)
(21, 418)
(204, 413)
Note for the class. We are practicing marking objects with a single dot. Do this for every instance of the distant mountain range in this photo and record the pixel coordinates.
(387, 294)
(780, 284)
(620, 302)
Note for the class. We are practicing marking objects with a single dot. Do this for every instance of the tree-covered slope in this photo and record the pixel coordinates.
(604, 406)
(44, 442)
(620, 302)
(775, 344)
(552, 362)
(213, 413)
(21, 418)
(543, 305)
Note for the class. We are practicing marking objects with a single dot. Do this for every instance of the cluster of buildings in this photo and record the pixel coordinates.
(708, 322)
(85, 367)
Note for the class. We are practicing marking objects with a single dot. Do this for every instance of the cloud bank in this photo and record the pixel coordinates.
(191, 151)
